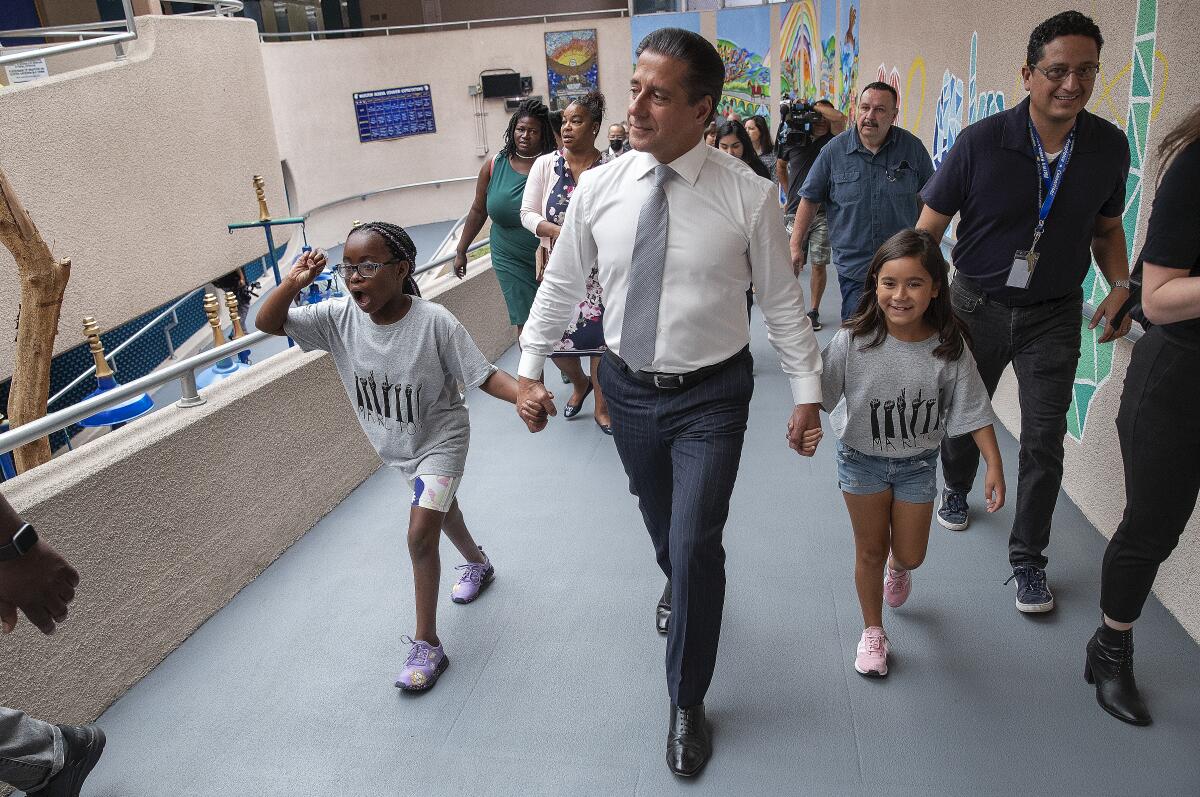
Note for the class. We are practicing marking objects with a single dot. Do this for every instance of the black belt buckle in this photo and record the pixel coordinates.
(667, 381)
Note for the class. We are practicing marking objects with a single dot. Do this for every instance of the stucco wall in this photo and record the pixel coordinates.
(311, 84)
(928, 45)
(164, 518)
(132, 169)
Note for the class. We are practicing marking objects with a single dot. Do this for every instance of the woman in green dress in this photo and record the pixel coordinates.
(498, 194)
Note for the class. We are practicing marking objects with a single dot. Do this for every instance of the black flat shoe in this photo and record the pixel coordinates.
(689, 743)
(1109, 665)
(662, 612)
(605, 427)
(572, 410)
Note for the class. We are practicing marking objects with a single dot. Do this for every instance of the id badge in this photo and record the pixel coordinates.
(1022, 269)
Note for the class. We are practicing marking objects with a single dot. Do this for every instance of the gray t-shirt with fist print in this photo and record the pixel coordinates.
(405, 379)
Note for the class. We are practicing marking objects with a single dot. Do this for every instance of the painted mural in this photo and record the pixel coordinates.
(947, 116)
(572, 65)
(848, 74)
(798, 51)
(827, 83)
(1095, 361)
(882, 75)
(642, 25)
(744, 42)
(980, 105)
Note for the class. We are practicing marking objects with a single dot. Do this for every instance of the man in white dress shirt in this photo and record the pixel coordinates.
(678, 231)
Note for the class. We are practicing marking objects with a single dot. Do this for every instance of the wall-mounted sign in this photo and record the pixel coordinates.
(25, 71)
(394, 113)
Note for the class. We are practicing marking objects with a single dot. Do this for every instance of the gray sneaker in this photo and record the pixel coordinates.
(954, 512)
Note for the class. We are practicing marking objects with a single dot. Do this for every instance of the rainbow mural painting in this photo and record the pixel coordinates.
(827, 83)
(799, 51)
(572, 65)
(744, 42)
(848, 28)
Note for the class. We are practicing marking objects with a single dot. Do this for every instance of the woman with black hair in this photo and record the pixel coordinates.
(498, 195)
(733, 138)
(759, 131)
(1157, 424)
(543, 210)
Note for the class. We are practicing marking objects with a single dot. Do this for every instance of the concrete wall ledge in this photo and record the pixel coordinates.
(168, 518)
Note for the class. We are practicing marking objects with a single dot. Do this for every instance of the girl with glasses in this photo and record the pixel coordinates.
(405, 363)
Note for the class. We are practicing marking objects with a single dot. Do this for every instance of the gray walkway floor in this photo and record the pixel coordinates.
(556, 683)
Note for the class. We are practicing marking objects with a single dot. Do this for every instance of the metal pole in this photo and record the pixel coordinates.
(189, 395)
(271, 253)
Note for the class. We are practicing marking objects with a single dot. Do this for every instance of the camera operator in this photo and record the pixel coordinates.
(804, 129)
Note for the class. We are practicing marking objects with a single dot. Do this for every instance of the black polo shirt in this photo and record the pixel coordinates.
(990, 177)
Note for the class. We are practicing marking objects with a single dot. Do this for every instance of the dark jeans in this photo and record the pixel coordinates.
(681, 450)
(1159, 431)
(1042, 343)
(852, 291)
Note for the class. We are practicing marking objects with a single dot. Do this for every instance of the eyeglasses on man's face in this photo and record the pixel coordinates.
(1058, 74)
(364, 270)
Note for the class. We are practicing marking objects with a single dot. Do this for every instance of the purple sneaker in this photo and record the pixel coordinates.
(473, 580)
(424, 665)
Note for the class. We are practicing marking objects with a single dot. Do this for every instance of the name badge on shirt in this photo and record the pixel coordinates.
(1022, 269)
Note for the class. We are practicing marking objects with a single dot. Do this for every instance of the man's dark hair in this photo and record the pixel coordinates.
(879, 85)
(1068, 23)
(536, 110)
(705, 70)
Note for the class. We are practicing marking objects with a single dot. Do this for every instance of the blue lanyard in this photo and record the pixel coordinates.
(1048, 185)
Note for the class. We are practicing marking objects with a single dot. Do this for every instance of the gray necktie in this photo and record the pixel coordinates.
(640, 323)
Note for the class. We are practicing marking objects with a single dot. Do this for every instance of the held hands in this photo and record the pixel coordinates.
(804, 429)
(1109, 309)
(41, 584)
(534, 404)
(306, 269)
(993, 488)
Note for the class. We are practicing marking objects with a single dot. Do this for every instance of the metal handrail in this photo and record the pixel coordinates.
(312, 34)
(184, 371)
(98, 34)
(366, 194)
(86, 32)
(109, 357)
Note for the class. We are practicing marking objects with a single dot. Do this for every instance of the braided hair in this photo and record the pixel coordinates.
(399, 244)
(535, 109)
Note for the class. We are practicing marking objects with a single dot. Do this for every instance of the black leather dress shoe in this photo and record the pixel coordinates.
(689, 743)
(662, 612)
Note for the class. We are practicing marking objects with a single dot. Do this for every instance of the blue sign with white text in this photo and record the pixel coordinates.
(394, 113)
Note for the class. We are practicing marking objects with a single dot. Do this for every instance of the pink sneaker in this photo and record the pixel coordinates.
(871, 660)
(896, 586)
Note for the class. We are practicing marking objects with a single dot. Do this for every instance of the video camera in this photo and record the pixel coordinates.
(796, 121)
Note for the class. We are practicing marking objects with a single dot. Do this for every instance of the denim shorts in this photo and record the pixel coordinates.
(911, 479)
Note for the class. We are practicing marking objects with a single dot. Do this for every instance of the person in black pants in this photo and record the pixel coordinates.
(1157, 424)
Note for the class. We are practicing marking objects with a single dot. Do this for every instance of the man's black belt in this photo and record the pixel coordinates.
(674, 381)
(972, 286)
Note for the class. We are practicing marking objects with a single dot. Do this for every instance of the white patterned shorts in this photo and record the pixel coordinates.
(435, 492)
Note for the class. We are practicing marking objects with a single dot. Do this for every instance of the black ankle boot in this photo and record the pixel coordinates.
(1109, 666)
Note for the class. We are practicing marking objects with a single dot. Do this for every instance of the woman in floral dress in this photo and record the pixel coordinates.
(548, 192)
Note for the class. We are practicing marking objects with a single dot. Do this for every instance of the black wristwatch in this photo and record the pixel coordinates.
(22, 542)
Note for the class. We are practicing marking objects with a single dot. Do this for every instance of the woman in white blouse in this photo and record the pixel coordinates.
(548, 191)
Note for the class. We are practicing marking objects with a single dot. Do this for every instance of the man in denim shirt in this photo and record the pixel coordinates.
(869, 180)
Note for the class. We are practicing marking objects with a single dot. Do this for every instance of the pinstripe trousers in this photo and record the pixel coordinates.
(681, 450)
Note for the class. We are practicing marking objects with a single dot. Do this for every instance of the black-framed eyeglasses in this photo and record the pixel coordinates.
(364, 270)
(1058, 74)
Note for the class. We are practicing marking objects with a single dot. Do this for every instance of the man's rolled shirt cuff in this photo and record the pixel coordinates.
(531, 365)
(806, 389)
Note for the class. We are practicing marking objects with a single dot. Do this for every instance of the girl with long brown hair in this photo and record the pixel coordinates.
(898, 377)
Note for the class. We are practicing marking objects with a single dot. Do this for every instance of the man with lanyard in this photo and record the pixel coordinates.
(1036, 186)
(793, 164)
(868, 180)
